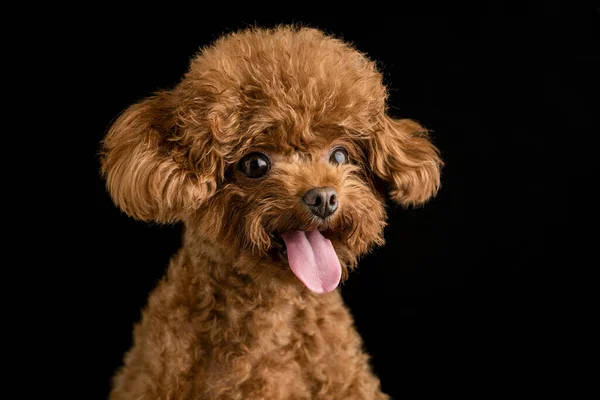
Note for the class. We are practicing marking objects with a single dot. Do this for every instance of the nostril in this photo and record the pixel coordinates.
(333, 200)
(317, 201)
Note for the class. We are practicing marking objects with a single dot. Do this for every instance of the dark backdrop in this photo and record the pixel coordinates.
(451, 302)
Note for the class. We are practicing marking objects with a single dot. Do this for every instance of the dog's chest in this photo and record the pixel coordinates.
(277, 348)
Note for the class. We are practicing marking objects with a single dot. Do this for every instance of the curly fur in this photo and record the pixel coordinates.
(230, 320)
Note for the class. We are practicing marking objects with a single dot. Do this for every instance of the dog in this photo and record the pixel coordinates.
(276, 152)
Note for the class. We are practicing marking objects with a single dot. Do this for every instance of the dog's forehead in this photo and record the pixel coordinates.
(311, 145)
(289, 140)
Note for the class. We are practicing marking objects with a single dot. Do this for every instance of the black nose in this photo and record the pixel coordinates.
(321, 201)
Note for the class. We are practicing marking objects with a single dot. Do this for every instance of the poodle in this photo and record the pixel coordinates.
(276, 152)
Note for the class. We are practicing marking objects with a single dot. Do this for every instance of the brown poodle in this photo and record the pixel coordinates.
(274, 151)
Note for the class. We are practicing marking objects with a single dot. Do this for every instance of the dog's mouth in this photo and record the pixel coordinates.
(311, 257)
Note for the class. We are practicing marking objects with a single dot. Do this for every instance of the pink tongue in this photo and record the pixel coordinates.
(313, 260)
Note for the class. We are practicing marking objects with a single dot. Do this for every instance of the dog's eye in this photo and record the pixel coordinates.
(338, 156)
(254, 165)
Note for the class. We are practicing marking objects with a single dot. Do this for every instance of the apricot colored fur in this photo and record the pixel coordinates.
(230, 320)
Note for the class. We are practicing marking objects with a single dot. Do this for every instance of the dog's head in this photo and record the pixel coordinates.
(276, 144)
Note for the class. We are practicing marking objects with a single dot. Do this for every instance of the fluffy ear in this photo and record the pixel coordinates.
(150, 174)
(401, 154)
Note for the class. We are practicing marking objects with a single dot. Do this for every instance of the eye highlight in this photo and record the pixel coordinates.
(254, 165)
(338, 156)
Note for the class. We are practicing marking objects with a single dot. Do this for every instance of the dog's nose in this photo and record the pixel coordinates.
(321, 201)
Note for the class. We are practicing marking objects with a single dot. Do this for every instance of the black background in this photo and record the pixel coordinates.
(452, 302)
